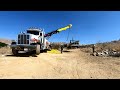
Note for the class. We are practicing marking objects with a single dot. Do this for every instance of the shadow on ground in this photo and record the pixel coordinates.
(66, 51)
(21, 55)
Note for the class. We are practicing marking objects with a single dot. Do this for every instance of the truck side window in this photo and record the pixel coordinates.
(40, 34)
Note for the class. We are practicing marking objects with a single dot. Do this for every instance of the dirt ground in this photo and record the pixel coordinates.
(73, 64)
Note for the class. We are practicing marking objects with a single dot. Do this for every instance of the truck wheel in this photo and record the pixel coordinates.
(15, 52)
(37, 49)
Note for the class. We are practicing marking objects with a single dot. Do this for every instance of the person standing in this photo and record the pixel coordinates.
(61, 48)
(93, 48)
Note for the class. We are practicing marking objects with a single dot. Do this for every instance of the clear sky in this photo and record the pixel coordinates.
(88, 26)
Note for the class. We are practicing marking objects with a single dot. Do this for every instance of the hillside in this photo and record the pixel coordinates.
(104, 48)
(6, 41)
(113, 45)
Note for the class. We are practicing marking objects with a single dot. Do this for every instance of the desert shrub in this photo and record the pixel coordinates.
(113, 45)
(100, 46)
(87, 50)
(56, 45)
(2, 44)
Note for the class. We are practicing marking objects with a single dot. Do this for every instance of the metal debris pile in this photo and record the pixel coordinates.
(107, 52)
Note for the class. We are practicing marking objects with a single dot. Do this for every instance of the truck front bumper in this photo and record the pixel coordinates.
(22, 47)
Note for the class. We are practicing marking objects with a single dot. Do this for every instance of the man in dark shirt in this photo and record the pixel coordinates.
(61, 48)
(93, 48)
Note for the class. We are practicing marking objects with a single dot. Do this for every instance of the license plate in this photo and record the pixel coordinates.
(21, 52)
(25, 49)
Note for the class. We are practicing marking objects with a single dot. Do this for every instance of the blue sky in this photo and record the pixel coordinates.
(88, 26)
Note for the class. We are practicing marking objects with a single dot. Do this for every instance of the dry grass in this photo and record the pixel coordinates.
(114, 45)
(5, 50)
(56, 45)
(99, 47)
(87, 49)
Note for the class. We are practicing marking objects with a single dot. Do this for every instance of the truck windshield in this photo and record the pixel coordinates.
(33, 32)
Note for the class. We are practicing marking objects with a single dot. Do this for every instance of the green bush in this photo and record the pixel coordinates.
(2, 44)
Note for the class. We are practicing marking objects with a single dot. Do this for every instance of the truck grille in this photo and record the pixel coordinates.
(23, 39)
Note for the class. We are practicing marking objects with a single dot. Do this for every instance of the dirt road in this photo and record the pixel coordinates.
(69, 65)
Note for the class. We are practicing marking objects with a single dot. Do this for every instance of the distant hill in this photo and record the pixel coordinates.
(6, 41)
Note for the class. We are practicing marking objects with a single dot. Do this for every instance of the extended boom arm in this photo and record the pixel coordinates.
(58, 30)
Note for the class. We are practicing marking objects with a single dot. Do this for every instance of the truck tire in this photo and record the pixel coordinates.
(15, 52)
(37, 49)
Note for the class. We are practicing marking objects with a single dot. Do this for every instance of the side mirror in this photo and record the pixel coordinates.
(40, 34)
(13, 42)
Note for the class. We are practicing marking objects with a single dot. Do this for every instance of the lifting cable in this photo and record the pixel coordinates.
(68, 34)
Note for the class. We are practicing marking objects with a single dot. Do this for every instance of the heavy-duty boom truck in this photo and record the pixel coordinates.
(34, 40)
